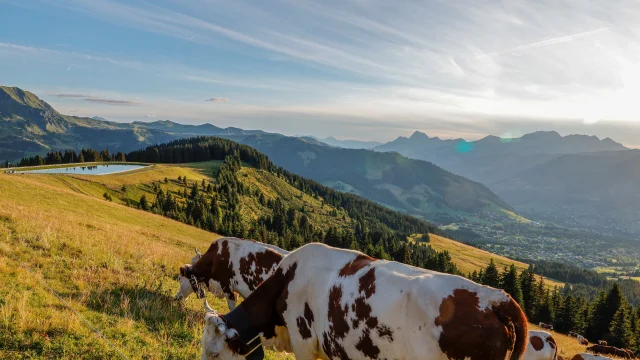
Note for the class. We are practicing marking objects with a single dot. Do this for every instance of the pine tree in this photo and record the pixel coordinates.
(144, 204)
(598, 322)
(406, 257)
(567, 315)
(529, 292)
(491, 276)
(510, 282)
(621, 332)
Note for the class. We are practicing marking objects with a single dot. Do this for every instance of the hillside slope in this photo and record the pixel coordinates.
(469, 258)
(416, 187)
(114, 265)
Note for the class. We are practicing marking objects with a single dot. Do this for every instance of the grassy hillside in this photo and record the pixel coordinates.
(114, 265)
(127, 189)
(469, 258)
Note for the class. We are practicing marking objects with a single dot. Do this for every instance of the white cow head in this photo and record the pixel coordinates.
(186, 288)
(216, 337)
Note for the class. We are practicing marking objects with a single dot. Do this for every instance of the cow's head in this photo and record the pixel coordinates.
(221, 341)
(186, 286)
(218, 339)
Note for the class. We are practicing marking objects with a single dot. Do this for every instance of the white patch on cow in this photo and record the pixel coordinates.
(546, 353)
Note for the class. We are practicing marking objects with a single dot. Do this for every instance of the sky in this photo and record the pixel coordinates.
(356, 69)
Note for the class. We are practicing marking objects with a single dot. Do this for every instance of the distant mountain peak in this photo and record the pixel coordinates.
(418, 135)
(98, 118)
(539, 135)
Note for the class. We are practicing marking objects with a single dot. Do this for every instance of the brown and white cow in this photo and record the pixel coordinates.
(329, 303)
(585, 356)
(582, 340)
(610, 350)
(545, 326)
(230, 266)
(542, 346)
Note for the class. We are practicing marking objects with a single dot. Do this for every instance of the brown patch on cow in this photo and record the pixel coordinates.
(304, 323)
(577, 357)
(337, 314)
(356, 264)
(333, 348)
(308, 314)
(263, 263)
(551, 341)
(536, 342)
(366, 346)
(303, 328)
(368, 283)
(385, 331)
(466, 329)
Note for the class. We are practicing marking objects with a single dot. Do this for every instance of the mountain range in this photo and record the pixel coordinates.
(30, 126)
(576, 180)
(349, 144)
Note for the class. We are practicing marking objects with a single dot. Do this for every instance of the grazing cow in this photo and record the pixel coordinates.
(230, 266)
(602, 342)
(609, 350)
(329, 303)
(582, 340)
(542, 346)
(545, 326)
(585, 356)
(573, 334)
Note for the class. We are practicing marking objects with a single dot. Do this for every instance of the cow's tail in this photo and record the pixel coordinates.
(512, 316)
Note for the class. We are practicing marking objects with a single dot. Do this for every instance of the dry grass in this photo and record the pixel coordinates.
(113, 264)
(469, 258)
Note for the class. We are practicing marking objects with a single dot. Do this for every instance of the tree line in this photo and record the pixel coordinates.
(608, 317)
(72, 157)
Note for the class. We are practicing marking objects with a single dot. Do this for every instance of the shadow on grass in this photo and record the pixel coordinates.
(159, 312)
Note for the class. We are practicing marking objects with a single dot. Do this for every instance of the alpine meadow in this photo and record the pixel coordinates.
(335, 180)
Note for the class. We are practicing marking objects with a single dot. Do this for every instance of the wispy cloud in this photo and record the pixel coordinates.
(553, 41)
(113, 102)
(98, 100)
(217, 99)
(71, 96)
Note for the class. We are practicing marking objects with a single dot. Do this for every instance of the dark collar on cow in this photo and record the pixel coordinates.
(196, 285)
(238, 319)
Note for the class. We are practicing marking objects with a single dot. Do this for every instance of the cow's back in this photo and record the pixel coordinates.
(348, 305)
